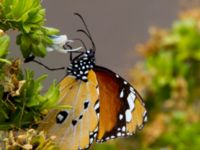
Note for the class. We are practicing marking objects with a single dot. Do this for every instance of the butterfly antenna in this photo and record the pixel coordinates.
(69, 46)
(88, 32)
(83, 31)
(85, 25)
(77, 39)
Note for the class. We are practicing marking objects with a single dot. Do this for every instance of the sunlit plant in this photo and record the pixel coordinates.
(22, 102)
(169, 78)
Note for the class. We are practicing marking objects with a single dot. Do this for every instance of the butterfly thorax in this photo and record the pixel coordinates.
(81, 65)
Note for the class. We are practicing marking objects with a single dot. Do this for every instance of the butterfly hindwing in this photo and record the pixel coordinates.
(75, 128)
(122, 110)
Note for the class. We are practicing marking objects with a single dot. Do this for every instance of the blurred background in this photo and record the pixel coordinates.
(156, 46)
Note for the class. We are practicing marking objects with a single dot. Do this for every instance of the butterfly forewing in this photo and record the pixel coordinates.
(121, 108)
(75, 128)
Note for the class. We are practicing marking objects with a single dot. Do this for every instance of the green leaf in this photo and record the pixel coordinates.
(51, 96)
(22, 11)
(5, 61)
(4, 44)
(51, 31)
(25, 44)
(39, 50)
(28, 17)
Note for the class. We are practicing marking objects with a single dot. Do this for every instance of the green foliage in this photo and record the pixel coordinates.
(177, 58)
(29, 139)
(32, 92)
(36, 41)
(105, 147)
(21, 14)
(22, 101)
(171, 71)
(28, 17)
(4, 44)
(182, 135)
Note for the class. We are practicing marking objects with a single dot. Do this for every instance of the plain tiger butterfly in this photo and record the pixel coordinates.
(104, 105)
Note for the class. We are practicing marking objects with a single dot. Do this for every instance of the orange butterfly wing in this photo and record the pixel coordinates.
(76, 128)
(103, 108)
(121, 108)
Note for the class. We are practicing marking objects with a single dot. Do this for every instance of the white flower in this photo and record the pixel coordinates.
(58, 44)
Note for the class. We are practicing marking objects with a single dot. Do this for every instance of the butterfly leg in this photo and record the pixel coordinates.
(32, 58)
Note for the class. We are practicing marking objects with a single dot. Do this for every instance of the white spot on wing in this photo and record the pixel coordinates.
(121, 93)
(97, 105)
(145, 119)
(84, 77)
(131, 99)
(144, 114)
(128, 115)
(95, 135)
(132, 90)
(107, 138)
(98, 115)
(96, 129)
(60, 117)
(120, 117)
(97, 90)
(123, 128)
(112, 137)
(119, 134)
(91, 140)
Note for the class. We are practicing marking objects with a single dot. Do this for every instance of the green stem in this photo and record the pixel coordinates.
(5, 61)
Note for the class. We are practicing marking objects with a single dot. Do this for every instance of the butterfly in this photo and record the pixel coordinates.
(104, 105)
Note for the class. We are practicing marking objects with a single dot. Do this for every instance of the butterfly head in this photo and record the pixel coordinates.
(81, 65)
(91, 54)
